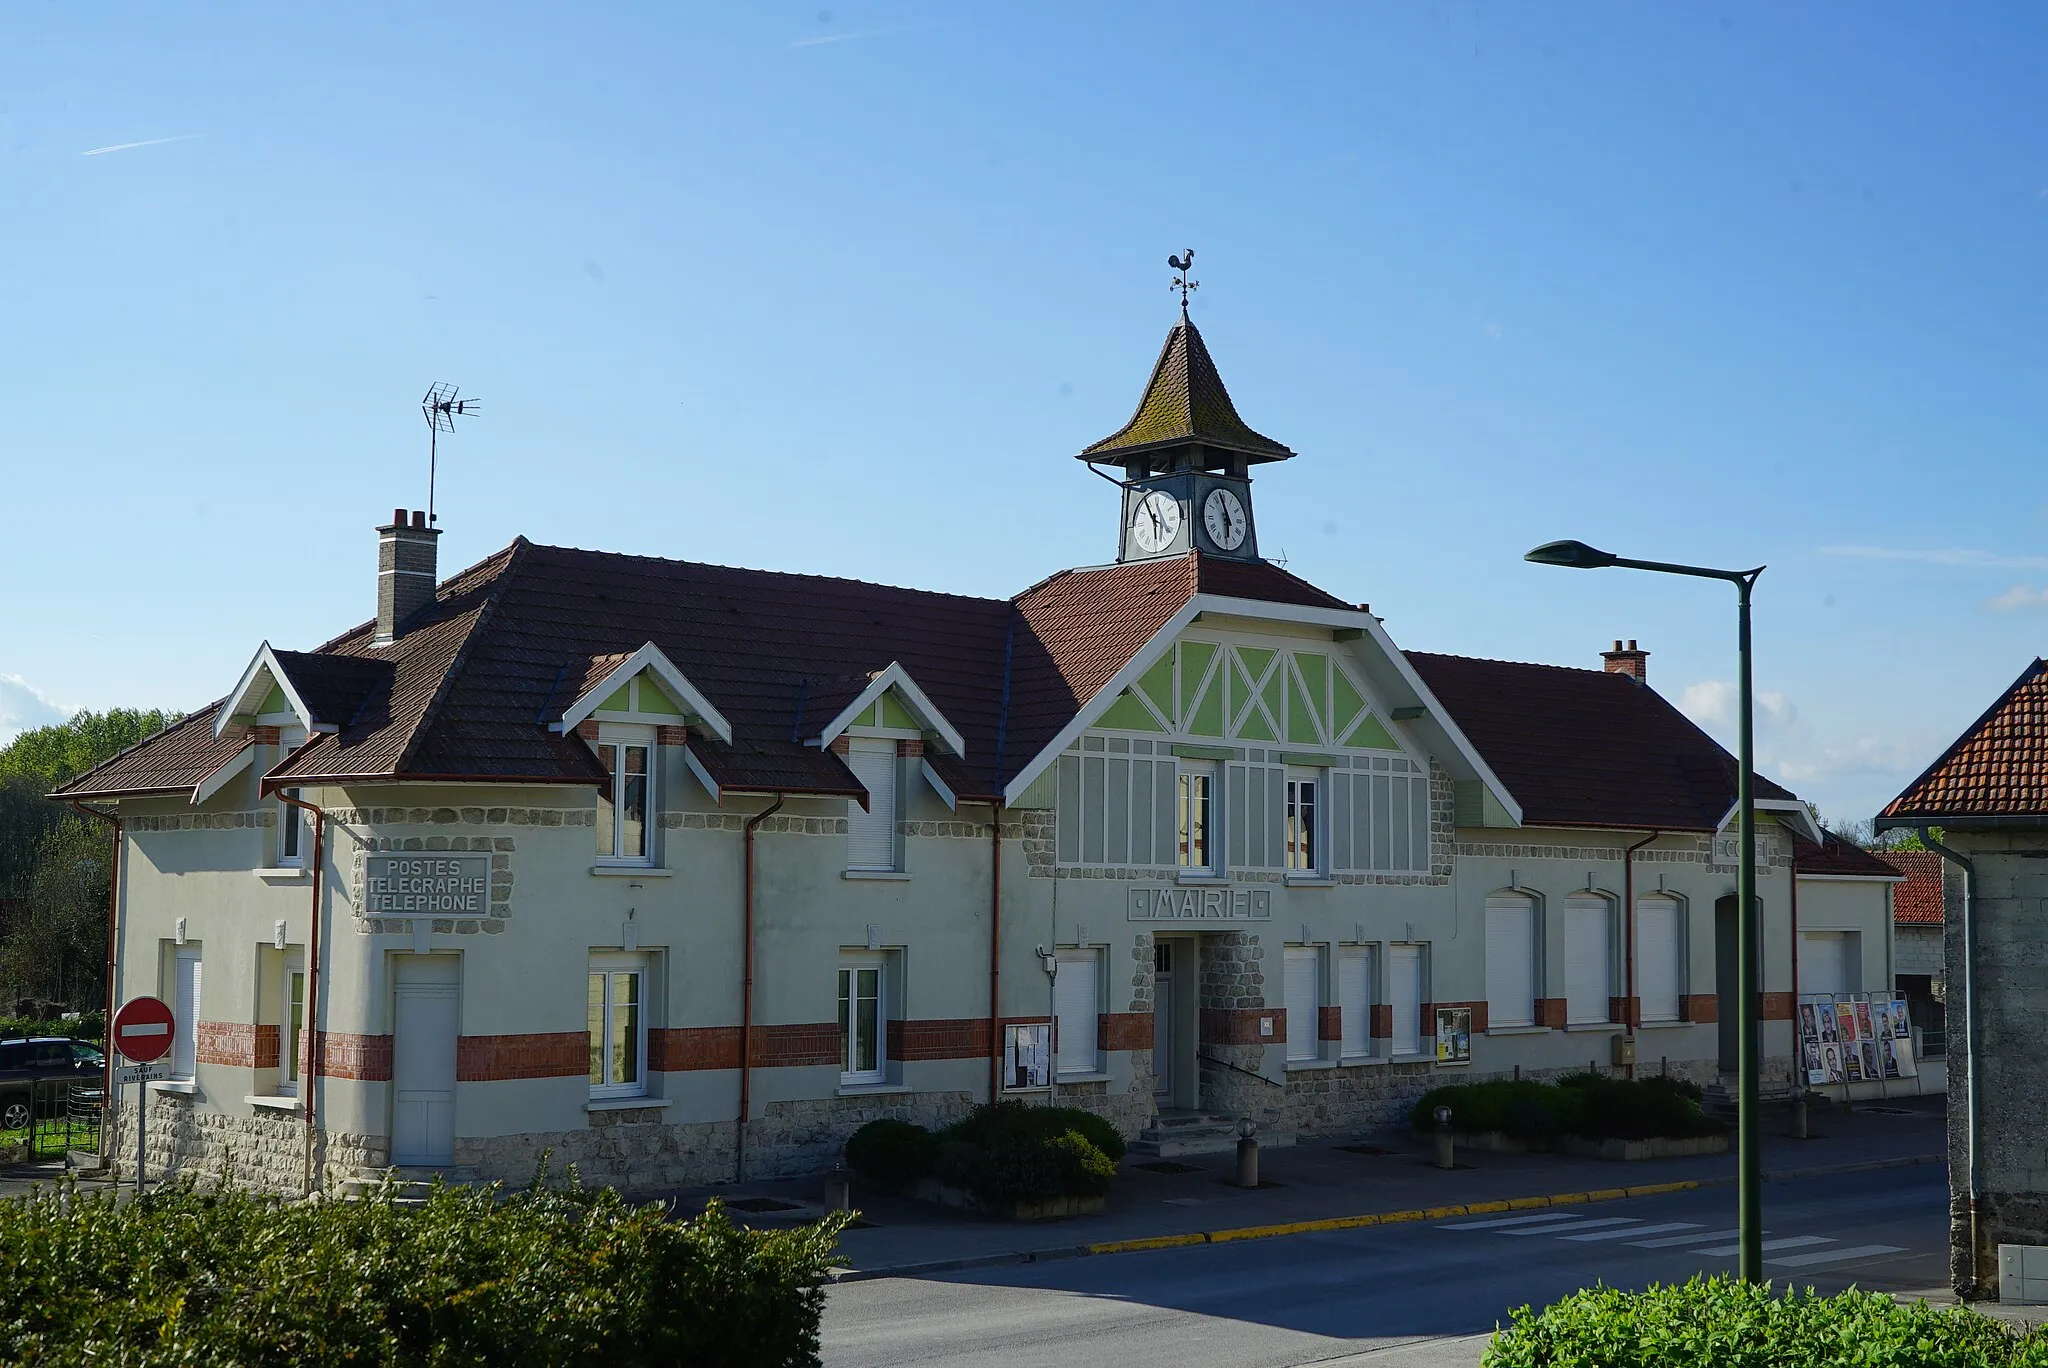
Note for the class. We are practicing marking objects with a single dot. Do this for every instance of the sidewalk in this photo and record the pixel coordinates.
(1315, 1183)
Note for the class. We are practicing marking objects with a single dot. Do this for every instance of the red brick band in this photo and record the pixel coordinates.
(1701, 1007)
(952, 1038)
(1549, 1012)
(1775, 1007)
(1624, 1010)
(1124, 1030)
(910, 750)
(544, 1054)
(1329, 1023)
(269, 1046)
(225, 1042)
(671, 736)
(1240, 1025)
(1383, 1021)
(1478, 1010)
(365, 1058)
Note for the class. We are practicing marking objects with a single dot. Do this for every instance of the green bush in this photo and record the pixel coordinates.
(198, 1277)
(1723, 1323)
(893, 1153)
(1591, 1105)
(1621, 1109)
(985, 1123)
(90, 1026)
(1011, 1153)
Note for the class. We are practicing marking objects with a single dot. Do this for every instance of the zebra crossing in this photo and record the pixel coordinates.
(1692, 1237)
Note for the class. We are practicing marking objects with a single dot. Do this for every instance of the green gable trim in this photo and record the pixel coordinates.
(1309, 759)
(1273, 694)
(1315, 678)
(1195, 657)
(894, 714)
(1207, 717)
(1301, 718)
(653, 700)
(1256, 659)
(1157, 685)
(1473, 805)
(1346, 702)
(274, 702)
(1371, 734)
(1129, 713)
(620, 701)
(1253, 725)
(1186, 752)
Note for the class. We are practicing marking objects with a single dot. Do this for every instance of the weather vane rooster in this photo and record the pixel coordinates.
(1182, 281)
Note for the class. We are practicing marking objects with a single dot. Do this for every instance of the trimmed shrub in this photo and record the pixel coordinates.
(1012, 1153)
(472, 1276)
(1591, 1105)
(892, 1153)
(985, 1123)
(1724, 1323)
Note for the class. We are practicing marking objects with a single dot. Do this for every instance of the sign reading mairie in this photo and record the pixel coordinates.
(440, 885)
(1201, 904)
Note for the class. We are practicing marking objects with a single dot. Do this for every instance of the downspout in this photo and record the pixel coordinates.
(1631, 1010)
(316, 1047)
(1798, 1064)
(995, 951)
(113, 929)
(1973, 1112)
(747, 986)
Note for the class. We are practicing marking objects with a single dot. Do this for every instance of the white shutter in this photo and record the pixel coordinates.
(871, 835)
(1660, 962)
(1354, 1002)
(1075, 998)
(1588, 959)
(185, 1043)
(1510, 960)
(1404, 997)
(1824, 963)
(1303, 1026)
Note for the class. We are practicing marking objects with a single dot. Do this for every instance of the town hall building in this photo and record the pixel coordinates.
(683, 872)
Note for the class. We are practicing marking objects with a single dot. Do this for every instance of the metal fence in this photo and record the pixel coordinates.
(50, 1116)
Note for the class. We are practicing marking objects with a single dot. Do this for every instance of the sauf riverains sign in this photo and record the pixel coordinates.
(1201, 904)
(444, 885)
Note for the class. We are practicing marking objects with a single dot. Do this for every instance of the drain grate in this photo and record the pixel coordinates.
(1365, 1149)
(760, 1205)
(1888, 1111)
(1168, 1166)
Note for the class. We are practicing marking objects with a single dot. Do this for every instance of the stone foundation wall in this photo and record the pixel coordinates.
(265, 1151)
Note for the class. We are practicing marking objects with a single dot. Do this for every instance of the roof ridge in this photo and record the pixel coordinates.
(1525, 664)
(755, 570)
(332, 646)
(514, 555)
(2031, 672)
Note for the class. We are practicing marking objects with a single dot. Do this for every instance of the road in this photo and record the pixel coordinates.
(1420, 1296)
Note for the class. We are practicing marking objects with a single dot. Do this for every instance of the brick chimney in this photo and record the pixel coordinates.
(406, 577)
(1628, 661)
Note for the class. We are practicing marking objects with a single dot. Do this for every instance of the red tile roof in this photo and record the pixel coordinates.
(1998, 767)
(1839, 858)
(1917, 901)
(1585, 747)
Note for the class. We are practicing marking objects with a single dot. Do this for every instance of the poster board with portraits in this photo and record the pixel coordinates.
(1855, 1039)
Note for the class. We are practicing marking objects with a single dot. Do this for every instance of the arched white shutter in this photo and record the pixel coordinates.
(1588, 959)
(1510, 960)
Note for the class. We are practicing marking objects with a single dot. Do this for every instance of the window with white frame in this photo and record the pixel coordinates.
(291, 821)
(185, 1010)
(1660, 956)
(1354, 1001)
(1511, 960)
(1077, 1002)
(871, 833)
(625, 807)
(863, 1021)
(618, 1026)
(1379, 814)
(1194, 813)
(1303, 847)
(1588, 959)
(1304, 998)
(292, 1024)
(1406, 972)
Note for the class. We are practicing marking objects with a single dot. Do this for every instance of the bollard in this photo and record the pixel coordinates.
(839, 1190)
(1799, 1114)
(1445, 1158)
(1247, 1155)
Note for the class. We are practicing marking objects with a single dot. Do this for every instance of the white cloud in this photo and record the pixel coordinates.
(1968, 557)
(146, 142)
(2016, 598)
(823, 39)
(23, 706)
(1712, 704)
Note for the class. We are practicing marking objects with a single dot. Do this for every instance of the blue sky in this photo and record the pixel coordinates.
(842, 290)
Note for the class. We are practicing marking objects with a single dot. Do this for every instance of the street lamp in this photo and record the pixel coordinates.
(1576, 555)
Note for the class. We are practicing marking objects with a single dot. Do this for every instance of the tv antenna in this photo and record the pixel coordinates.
(442, 408)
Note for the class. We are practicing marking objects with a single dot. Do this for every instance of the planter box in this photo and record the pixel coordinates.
(1657, 1147)
(1491, 1142)
(932, 1190)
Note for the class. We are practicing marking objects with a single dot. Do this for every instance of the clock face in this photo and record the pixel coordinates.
(1156, 521)
(1223, 516)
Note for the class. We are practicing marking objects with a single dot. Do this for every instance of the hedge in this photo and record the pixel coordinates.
(1724, 1323)
(1586, 1104)
(90, 1026)
(1005, 1154)
(194, 1276)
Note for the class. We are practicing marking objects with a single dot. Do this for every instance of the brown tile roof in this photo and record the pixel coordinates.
(1837, 857)
(1585, 747)
(1917, 901)
(1998, 767)
(175, 760)
(468, 690)
(1185, 401)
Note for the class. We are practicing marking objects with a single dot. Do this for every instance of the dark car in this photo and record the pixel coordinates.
(50, 1061)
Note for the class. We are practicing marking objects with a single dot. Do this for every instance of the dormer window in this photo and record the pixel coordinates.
(291, 821)
(625, 807)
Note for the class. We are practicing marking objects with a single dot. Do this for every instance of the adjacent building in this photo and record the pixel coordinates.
(682, 872)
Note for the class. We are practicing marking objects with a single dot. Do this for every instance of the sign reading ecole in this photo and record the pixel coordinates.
(1221, 904)
(442, 885)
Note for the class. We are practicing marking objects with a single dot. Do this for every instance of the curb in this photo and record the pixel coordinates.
(1266, 1232)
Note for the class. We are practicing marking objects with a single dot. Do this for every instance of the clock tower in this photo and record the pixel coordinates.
(1186, 456)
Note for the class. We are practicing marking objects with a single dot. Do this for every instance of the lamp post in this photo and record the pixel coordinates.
(1575, 555)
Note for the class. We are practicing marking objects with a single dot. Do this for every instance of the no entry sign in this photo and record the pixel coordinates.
(142, 1029)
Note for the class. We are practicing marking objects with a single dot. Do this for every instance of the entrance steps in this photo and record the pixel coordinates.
(1177, 1132)
(1720, 1097)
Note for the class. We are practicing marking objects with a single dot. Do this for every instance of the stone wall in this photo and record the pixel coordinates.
(265, 1150)
(1917, 950)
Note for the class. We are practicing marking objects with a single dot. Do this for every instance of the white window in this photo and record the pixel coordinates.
(625, 808)
(1304, 999)
(863, 1052)
(1354, 1001)
(185, 1006)
(618, 1026)
(1404, 998)
(1303, 849)
(1077, 999)
(1827, 962)
(1511, 960)
(871, 835)
(1194, 810)
(1588, 959)
(291, 821)
(292, 1025)
(1660, 957)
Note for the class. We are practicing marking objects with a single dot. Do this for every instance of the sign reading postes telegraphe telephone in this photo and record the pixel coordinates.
(434, 883)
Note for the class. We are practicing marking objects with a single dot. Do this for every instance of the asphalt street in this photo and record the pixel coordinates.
(1410, 1296)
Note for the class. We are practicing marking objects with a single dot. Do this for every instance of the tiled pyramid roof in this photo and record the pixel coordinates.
(1185, 401)
(1998, 767)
